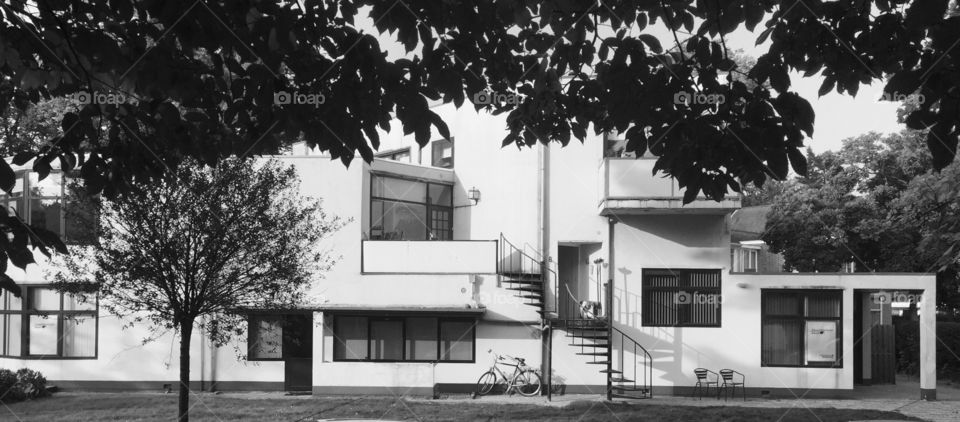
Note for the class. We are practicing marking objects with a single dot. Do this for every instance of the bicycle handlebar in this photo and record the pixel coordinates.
(521, 361)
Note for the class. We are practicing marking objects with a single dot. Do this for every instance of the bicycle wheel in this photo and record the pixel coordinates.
(486, 382)
(527, 383)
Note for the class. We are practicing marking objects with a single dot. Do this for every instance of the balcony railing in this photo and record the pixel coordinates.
(429, 257)
(629, 186)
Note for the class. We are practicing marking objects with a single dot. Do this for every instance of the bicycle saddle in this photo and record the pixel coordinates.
(521, 360)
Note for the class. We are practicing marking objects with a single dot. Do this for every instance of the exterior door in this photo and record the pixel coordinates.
(298, 352)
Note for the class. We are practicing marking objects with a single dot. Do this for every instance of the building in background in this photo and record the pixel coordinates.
(578, 259)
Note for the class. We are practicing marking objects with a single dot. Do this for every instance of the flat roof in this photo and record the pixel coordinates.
(401, 309)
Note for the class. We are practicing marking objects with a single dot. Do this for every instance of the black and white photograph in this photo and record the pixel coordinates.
(479, 210)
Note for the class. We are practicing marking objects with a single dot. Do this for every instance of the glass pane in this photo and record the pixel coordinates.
(421, 341)
(823, 305)
(266, 337)
(46, 213)
(43, 335)
(12, 333)
(17, 206)
(440, 222)
(80, 222)
(72, 302)
(404, 190)
(350, 338)
(782, 342)
(17, 191)
(44, 299)
(79, 336)
(782, 304)
(456, 340)
(13, 303)
(441, 195)
(661, 308)
(49, 186)
(401, 221)
(442, 153)
(661, 279)
(386, 340)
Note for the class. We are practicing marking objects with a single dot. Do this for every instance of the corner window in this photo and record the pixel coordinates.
(681, 298)
(801, 328)
(441, 153)
(403, 339)
(48, 324)
(402, 209)
(53, 203)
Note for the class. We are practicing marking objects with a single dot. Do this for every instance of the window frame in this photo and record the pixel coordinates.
(429, 208)
(803, 319)
(682, 286)
(25, 211)
(403, 337)
(392, 154)
(438, 144)
(25, 313)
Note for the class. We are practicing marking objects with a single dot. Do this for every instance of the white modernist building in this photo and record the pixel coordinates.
(575, 258)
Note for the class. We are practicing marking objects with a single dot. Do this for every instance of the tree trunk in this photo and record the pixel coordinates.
(186, 329)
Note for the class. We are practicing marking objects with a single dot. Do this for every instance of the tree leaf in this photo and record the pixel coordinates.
(652, 42)
(8, 178)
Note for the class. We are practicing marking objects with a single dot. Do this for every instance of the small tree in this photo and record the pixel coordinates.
(204, 243)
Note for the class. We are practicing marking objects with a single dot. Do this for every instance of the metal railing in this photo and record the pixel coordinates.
(514, 261)
(634, 364)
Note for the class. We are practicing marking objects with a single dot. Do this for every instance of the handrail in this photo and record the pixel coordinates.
(506, 245)
(640, 354)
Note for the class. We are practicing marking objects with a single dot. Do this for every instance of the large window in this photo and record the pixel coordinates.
(279, 336)
(801, 328)
(53, 203)
(403, 339)
(681, 298)
(48, 324)
(402, 209)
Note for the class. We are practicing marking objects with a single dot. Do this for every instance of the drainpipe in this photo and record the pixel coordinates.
(543, 224)
(608, 301)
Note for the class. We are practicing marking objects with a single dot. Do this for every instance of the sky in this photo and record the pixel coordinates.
(838, 116)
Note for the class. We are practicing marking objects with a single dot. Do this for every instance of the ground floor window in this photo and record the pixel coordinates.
(801, 328)
(279, 336)
(403, 339)
(45, 323)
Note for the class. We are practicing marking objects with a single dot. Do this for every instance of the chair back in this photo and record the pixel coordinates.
(727, 375)
(701, 373)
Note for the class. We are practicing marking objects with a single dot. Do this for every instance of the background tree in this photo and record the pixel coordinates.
(204, 243)
(875, 203)
(172, 79)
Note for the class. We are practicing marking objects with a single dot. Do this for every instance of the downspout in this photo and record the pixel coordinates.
(608, 301)
(543, 224)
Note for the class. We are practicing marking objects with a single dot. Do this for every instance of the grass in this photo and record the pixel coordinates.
(83, 407)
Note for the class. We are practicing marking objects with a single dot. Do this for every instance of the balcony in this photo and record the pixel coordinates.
(429, 257)
(628, 186)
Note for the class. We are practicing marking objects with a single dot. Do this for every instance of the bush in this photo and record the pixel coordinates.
(908, 349)
(24, 384)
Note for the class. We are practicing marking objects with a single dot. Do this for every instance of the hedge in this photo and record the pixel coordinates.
(948, 348)
(24, 384)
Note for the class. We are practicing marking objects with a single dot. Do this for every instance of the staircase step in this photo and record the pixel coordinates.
(527, 276)
(618, 379)
(595, 346)
(593, 354)
(591, 335)
(627, 396)
(624, 388)
(610, 371)
(526, 289)
(599, 362)
(531, 296)
(587, 328)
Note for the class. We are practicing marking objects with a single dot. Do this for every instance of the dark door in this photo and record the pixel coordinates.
(883, 354)
(298, 352)
(858, 337)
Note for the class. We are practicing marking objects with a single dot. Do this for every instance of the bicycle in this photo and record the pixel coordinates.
(525, 380)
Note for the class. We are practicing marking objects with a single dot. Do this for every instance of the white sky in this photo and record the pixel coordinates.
(837, 116)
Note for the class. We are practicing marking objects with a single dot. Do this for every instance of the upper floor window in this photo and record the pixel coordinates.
(402, 209)
(48, 324)
(52, 203)
(401, 155)
(441, 153)
(681, 298)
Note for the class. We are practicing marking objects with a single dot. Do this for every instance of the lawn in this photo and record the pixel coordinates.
(267, 407)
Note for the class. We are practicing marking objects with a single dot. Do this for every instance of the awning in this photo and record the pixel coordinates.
(342, 309)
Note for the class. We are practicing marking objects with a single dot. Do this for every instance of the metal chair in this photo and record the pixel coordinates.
(730, 383)
(704, 382)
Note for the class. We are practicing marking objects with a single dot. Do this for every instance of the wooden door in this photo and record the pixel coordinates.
(298, 352)
(882, 355)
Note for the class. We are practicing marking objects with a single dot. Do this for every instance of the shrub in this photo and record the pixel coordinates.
(908, 348)
(24, 384)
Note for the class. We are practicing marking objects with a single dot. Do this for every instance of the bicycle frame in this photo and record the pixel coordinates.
(503, 376)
